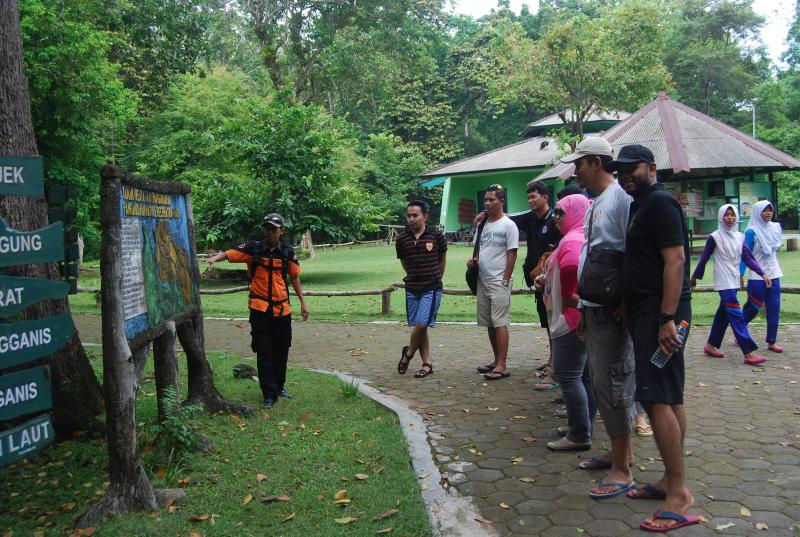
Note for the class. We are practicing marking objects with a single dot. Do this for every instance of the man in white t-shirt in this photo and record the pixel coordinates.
(496, 257)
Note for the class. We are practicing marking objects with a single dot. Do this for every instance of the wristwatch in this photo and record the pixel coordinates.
(506, 282)
(664, 318)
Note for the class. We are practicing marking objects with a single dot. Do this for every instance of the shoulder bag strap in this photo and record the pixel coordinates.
(477, 247)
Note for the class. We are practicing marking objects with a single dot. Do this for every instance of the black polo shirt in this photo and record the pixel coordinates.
(422, 256)
(540, 233)
(656, 221)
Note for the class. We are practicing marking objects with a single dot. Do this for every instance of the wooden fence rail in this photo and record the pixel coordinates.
(386, 292)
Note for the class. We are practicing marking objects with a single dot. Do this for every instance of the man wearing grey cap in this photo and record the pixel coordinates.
(271, 264)
(611, 359)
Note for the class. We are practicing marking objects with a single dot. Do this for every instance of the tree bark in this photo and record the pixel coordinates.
(165, 363)
(77, 399)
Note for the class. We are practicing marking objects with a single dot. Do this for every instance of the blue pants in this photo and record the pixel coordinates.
(571, 369)
(760, 296)
(729, 312)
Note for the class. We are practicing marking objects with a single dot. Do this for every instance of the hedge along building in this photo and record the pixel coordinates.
(703, 162)
(511, 166)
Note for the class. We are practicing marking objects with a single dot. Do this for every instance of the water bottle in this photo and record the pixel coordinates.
(659, 359)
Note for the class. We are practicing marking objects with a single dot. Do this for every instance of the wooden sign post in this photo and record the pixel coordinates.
(28, 391)
(150, 283)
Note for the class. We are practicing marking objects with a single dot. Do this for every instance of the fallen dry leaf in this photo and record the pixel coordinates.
(384, 530)
(273, 499)
(288, 518)
(517, 460)
(260, 477)
(346, 520)
(762, 526)
(185, 481)
(519, 418)
(343, 501)
(504, 505)
(528, 439)
(386, 514)
(361, 477)
(198, 518)
(744, 511)
(493, 408)
(527, 479)
(484, 521)
(340, 495)
(701, 385)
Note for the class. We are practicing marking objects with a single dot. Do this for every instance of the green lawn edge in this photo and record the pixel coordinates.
(308, 447)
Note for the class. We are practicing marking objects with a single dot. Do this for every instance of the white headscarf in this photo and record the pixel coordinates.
(768, 233)
(729, 240)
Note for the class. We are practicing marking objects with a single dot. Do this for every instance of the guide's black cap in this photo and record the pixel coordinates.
(631, 154)
(273, 219)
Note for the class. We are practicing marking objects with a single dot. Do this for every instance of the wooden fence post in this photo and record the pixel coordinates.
(386, 301)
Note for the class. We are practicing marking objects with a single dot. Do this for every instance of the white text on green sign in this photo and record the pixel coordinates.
(25, 392)
(26, 247)
(26, 439)
(25, 341)
(22, 176)
(17, 294)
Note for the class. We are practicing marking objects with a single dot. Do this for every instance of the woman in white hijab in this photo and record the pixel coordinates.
(763, 238)
(727, 246)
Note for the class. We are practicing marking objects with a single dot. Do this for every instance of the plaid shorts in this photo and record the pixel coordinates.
(422, 308)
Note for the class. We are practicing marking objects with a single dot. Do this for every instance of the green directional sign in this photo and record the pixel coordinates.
(26, 439)
(22, 176)
(26, 247)
(17, 294)
(25, 341)
(25, 392)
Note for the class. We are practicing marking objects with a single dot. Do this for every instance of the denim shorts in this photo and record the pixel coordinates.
(422, 308)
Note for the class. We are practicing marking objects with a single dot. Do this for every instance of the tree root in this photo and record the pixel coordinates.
(120, 502)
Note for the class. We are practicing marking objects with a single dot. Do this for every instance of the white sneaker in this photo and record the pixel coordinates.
(564, 444)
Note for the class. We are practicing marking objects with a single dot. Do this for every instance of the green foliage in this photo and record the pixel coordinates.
(79, 105)
(708, 53)
(576, 67)
(176, 434)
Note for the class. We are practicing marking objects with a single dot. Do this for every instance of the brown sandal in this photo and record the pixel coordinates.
(402, 365)
(427, 369)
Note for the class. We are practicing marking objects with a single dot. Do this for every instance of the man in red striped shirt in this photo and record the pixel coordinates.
(422, 250)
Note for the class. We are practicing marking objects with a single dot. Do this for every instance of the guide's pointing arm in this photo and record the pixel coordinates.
(219, 256)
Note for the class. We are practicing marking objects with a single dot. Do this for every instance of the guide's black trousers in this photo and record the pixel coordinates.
(272, 337)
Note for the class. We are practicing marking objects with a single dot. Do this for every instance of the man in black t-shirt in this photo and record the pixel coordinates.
(657, 296)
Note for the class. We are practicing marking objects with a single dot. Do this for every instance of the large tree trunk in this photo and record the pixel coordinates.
(77, 396)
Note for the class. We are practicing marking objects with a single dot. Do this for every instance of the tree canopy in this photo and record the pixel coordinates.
(328, 111)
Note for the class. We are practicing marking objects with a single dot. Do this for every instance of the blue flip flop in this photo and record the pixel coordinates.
(623, 488)
(595, 463)
(651, 493)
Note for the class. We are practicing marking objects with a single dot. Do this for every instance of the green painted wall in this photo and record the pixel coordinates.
(468, 186)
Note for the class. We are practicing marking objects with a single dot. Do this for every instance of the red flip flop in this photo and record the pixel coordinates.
(681, 521)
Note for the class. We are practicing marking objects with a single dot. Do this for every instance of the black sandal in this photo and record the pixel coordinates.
(485, 368)
(402, 365)
(425, 370)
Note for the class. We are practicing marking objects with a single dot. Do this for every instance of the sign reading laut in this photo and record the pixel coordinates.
(25, 341)
(27, 247)
(26, 439)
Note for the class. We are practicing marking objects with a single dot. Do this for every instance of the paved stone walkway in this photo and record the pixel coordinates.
(743, 440)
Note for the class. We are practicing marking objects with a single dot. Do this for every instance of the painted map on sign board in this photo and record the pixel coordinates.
(157, 272)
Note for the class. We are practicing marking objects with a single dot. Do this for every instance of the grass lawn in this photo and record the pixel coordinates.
(375, 267)
(307, 448)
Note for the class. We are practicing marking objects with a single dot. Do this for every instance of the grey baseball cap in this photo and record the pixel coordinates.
(273, 219)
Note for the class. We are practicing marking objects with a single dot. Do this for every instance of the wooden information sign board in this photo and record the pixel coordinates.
(26, 439)
(22, 176)
(25, 392)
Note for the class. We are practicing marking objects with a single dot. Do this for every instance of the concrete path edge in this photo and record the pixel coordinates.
(450, 514)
